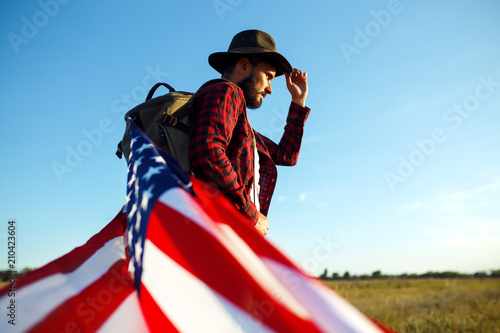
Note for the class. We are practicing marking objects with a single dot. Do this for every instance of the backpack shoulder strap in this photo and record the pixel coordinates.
(183, 112)
(173, 119)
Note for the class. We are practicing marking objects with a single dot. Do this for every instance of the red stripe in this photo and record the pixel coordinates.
(382, 327)
(156, 319)
(88, 310)
(207, 259)
(220, 209)
(72, 260)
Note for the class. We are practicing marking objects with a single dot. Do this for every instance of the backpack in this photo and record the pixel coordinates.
(167, 120)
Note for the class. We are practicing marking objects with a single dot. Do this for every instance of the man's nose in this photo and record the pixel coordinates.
(269, 89)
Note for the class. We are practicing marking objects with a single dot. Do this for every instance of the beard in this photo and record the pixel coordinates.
(251, 94)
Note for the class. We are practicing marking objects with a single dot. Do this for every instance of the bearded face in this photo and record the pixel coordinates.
(253, 97)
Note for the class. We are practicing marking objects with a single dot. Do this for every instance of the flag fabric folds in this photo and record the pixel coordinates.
(179, 257)
(87, 290)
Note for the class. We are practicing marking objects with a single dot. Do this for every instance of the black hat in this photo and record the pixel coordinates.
(251, 42)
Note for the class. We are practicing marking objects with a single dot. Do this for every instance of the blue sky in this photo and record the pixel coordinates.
(400, 165)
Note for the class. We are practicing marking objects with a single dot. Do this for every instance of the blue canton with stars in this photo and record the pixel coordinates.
(150, 173)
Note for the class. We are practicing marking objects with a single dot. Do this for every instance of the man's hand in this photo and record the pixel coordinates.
(296, 82)
(262, 224)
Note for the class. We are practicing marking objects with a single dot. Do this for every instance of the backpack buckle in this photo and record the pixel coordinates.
(172, 121)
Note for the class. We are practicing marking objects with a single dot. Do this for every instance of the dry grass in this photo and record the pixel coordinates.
(427, 305)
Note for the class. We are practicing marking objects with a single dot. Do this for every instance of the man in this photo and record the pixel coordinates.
(225, 151)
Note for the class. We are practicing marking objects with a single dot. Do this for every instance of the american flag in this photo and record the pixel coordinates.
(178, 258)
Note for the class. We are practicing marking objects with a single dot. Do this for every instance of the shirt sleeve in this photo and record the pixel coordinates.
(218, 112)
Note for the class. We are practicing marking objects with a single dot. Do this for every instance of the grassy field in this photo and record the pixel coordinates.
(427, 305)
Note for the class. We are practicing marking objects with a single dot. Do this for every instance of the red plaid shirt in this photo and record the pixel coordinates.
(222, 146)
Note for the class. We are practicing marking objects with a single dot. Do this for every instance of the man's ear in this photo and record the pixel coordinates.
(244, 67)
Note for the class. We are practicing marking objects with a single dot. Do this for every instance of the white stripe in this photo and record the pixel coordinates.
(181, 201)
(330, 311)
(188, 303)
(260, 273)
(127, 318)
(38, 299)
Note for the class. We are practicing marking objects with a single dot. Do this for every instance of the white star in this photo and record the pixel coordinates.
(132, 210)
(136, 189)
(146, 195)
(138, 163)
(144, 147)
(159, 159)
(138, 251)
(138, 221)
(132, 180)
(130, 236)
(181, 183)
(152, 171)
(132, 141)
(127, 198)
(185, 186)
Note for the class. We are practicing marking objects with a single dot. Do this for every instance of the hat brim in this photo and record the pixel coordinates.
(219, 60)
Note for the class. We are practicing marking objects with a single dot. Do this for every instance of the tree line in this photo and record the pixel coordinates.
(494, 273)
(5, 275)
